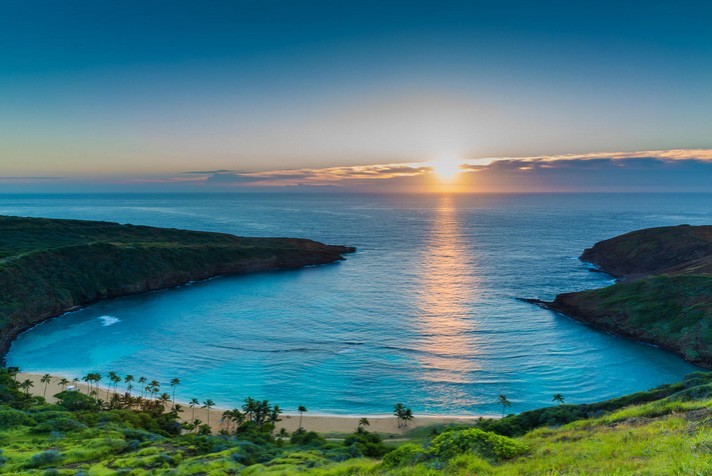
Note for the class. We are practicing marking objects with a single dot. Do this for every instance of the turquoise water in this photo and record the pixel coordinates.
(424, 313)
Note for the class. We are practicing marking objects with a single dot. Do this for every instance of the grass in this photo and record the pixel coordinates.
(664, 431)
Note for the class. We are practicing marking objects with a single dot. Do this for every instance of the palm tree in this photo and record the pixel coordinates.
(193, 402)
(63, 382)
(362, 424)
(164, 398)
(208, 404)
(88, 378)
(558, 398)
(407, 416)
(274, 414)
(13, 371)
(398, 410)
(155, 387)
(46, 379)
(301, 411)
(26, 386)
(174, 383)
(502, 400)
(127, 380)
(114, 379)
(141, 381)
(196, 424)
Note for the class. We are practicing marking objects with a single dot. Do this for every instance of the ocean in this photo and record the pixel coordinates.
(424, 313)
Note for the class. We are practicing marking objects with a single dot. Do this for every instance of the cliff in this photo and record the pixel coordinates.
(48, 267)
(664, 296)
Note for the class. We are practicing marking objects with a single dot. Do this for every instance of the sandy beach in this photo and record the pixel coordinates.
(326, 424)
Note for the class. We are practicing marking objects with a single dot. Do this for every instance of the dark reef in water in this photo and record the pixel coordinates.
(49, 267)
(664, 293)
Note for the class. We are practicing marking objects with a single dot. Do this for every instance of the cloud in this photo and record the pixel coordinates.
(678, 170)
(671, 170)
(28, 178)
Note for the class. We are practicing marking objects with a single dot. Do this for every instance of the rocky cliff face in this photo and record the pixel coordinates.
(48, 267)
(665, 293)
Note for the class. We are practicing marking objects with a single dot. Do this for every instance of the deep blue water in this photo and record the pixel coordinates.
(424, 313)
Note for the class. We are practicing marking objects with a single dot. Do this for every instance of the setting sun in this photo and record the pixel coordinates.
(446, 167)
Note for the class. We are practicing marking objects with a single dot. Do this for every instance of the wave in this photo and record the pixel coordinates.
(108, 320)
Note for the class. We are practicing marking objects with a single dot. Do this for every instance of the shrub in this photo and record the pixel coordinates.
(368, 444)
(63, 425)
(486, 444)
(44, 458)
(407, 454)
(10, 418)
(307, 438)
(76, 401)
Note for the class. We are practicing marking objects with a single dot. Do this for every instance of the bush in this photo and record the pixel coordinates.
(10, 418)
(62, 425)
(484, 443)
(407, 454)
(76, 401)
(307, 438)
(44, 458)
(368, 444)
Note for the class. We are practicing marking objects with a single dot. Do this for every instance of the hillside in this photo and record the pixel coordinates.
(667, 430)
(665, 293)
(48, 267)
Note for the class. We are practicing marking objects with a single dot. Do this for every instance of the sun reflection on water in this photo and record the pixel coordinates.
(447, 344)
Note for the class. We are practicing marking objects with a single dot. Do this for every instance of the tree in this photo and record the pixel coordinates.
(13, 371)
(274, 414)
(193, 402)
(399, 412)
(502, 400)
(114, 380)
(26, 385)
(141, 381)
(558, 398)
(155, 387)
(208, 404)
(362, 424)
(63, 382)
(174, 383)
(301, 411)
(407, 416)
(127, 380)
(46, 379)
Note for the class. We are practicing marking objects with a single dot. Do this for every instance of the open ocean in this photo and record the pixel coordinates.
(425, 313)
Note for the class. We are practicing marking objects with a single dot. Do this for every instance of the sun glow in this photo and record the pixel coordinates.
(446, 167)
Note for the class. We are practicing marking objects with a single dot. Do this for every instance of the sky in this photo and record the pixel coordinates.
(357, 96)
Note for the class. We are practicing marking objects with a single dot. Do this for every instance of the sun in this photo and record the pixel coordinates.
(446, 167)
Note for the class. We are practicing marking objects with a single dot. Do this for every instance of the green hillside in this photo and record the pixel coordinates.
(664, 431)
(48, 267)
(665, 293)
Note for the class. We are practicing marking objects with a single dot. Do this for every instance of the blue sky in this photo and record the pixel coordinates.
(143, 92)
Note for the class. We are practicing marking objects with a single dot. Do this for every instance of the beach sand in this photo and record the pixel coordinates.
(325, 424)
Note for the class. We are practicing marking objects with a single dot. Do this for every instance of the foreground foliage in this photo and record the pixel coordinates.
(667, 430)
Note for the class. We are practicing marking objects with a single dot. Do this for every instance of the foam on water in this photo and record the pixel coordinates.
(108, 320)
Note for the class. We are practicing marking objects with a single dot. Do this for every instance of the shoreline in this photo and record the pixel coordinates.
(323, 423)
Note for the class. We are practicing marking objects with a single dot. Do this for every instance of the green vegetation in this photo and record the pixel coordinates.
(48, 267)
(665, 297)
(672, 311)
(667, 430)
